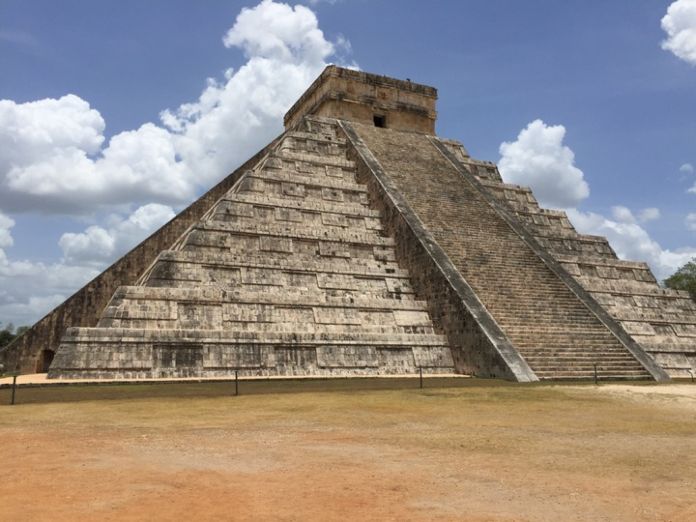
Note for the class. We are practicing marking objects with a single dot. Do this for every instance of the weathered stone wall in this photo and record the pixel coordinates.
(555, 331)
(84, 307)
(661, 320)
(478, 345)
(358, 96)
(290, 273)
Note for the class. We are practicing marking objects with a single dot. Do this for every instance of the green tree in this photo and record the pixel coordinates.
(20, 330)
(684, 279)
(6, 335)
(9, 334)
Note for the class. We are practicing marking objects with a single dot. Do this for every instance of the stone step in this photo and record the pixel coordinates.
(541, 348)
(667, 343)
(289, 283)
(287, 177)
(300, 146)
(288, 297)
(296, 263)
(325, 207)
(603, 262)
(541, 337)
(126, 335)
(581, 375)
(263, 328)
(317, 137)
(579, 363)
(602, 366)
(562, 372)
(292, 217)
(316, 159)
(555, 355)
(285, 232)
(298, 191)
(589, 352)
(513, 322)
(212, 243)
(618, 286)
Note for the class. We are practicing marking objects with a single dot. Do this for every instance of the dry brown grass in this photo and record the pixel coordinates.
(484, 451)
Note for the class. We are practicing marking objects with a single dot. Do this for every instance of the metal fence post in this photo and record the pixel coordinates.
(236, 383)
(14, 388)
(420, 370)
(596, 378)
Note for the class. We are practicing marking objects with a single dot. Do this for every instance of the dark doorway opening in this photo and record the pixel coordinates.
(46, 360)
(380, 121)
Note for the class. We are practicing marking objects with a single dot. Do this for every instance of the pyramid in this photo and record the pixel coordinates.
(360, 243)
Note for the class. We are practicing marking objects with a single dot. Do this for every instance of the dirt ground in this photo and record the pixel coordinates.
(477, 452)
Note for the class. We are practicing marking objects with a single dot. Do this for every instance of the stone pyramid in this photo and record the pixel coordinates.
(359, 243)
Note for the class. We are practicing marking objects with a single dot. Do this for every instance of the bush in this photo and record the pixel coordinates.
(684, 279)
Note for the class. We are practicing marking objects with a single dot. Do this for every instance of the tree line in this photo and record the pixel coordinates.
(684, 279)
(9, 333)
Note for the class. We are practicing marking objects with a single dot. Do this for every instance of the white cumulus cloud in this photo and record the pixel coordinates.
(36, 130)
(136, 166)
(98, 245)
(28, 289)
(540, 160)
(622, 214)
(691, 221)
(232, 118)
(278, 31)
(6, 224)
(37, 288)
(680, 25)
(649, 214)
(54, 156)
(688, 168)
(625, 215)
(631, 241)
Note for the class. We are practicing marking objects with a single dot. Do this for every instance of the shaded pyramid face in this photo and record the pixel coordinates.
(290, 273)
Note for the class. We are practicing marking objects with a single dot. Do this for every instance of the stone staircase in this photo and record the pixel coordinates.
(661, 320)
(555, 332)
(290, 273)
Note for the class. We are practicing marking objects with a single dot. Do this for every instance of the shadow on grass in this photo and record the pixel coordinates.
(28, 394)
(72, 392)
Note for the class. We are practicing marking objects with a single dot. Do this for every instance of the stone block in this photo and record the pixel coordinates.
(330, 194)
(334, 220)
(244, 356)
(288, 214)
(294, 190)
(336, 316)
(411, 318)
(347, 357)
(433, 357)
(338, 281)
(275, 244)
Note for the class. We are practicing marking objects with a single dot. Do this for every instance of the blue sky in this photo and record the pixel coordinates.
(616, 104)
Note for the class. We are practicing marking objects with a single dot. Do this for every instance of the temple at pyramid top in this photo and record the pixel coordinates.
(357, 242)
(362, 97)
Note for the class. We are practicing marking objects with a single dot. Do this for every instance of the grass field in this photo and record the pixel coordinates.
(350, 450)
